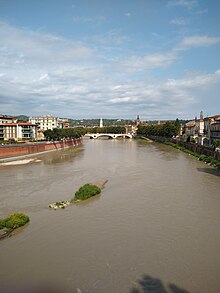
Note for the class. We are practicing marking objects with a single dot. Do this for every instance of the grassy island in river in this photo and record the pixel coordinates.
(14, 221)
(86, 191)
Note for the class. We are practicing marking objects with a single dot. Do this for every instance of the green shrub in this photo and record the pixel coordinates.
(203, 158)
(14, 221)
(217, 164)
(208, 160)
(86, 191)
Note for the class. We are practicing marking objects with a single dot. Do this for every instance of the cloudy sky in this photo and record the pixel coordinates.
(110, 58)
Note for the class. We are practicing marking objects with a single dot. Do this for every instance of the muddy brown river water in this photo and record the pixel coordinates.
(155, 228)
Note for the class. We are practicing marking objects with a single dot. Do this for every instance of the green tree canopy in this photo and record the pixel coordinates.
(167, 129)
(61, 133)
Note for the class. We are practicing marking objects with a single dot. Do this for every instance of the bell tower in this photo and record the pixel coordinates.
(138, 121)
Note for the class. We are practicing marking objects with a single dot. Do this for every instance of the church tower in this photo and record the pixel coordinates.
(138, 120)
(201, 124)
(101, 123)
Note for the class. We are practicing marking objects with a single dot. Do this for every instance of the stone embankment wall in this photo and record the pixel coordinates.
(15, 150)
(200, 149)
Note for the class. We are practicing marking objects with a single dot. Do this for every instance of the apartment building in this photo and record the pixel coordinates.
(1, 132)
(213, 128)
(49, 122)
(7, 119)
(63, 123)
(19, 131)
(190, 128)
(3, 120)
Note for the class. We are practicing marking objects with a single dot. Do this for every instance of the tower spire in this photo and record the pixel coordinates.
(101, 123)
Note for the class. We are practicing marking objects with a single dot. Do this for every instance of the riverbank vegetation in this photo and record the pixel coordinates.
(216, 144)
(61, 133)
(203, 158)
(167, 129)
(86, 191)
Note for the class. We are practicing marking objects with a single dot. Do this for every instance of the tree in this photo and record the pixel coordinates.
(62, 133)
(216, 143)
(168, 129)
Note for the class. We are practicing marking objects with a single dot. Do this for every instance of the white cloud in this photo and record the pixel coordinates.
(201, 12)
(24, 46)
(43, 74)
(123, 100)
(85, 19)
(164, 59)
(155, 35)
(197, 41)
(198, 81)
(179, 21)
(146, 62)
(189, 4)
(92, 96)
(111, 39)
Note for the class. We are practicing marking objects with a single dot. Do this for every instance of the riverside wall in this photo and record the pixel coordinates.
(200, 149)
(16, 150)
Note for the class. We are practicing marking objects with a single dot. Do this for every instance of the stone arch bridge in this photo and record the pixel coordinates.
(109, 135)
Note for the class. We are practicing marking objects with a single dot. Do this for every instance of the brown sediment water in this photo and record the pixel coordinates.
(156, 221)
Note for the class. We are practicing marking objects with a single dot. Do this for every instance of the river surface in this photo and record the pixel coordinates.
(155, 227)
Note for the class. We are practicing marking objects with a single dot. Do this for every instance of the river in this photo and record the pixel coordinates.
(155, 225)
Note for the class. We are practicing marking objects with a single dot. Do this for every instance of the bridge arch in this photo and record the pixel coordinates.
(110, 135)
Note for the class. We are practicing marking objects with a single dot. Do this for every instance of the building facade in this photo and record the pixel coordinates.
(49, 122)
(3, 120)
(215, 130)
(21, 131)
(190, 129)
(203, 130)
(7, 119)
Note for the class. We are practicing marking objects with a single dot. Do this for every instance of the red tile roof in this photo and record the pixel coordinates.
(6, 117)
(20, 124)
(190, 123)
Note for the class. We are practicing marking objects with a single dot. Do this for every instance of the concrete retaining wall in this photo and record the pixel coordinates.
(16, 150)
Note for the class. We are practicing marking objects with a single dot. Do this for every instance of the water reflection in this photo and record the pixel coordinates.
(165, 152)
(211, 171)
(149, 284)
(62, 156)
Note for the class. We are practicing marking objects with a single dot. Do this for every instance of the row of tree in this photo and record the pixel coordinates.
(61, 133)
(107, 129)
(77, 132)
(167, 129)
